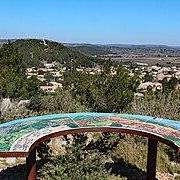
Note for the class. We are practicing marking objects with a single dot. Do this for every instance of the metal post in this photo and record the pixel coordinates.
(31, 165)
(151, 159)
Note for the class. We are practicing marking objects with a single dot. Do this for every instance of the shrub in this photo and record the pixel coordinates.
(61, 101)
(158, 105)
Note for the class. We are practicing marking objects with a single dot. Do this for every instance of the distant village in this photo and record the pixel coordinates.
(51, 75)
(156, 74)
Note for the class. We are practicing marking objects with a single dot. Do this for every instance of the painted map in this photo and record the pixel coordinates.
(18, 135)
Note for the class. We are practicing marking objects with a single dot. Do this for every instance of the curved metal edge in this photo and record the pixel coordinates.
(90, 129)
(13, 154)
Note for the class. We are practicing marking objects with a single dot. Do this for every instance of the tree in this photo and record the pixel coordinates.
(13, 80)
(148, 77)
(11, 59)
(35, 103)
(48, 76)
(169, 86)
(103, 92)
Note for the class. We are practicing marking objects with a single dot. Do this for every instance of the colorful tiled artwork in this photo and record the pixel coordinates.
(20, 134)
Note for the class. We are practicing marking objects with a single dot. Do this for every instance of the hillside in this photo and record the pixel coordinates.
(90, 49)
(126, 49)
(35, 51)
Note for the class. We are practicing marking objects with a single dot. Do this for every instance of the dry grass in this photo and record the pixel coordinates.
(158, 105)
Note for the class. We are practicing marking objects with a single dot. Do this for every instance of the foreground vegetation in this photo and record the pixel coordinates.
(105, 156)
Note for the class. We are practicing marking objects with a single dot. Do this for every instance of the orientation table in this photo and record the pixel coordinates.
(20, 137)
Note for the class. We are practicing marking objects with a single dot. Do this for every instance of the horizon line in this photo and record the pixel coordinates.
(92, 43)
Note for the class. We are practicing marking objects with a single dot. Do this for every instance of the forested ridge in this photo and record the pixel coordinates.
(34, 51)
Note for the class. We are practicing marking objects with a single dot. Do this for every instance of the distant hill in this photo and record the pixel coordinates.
(138, 46)
(100, 49)
(89, 49)
(93, 49)
(117, 45)
(80, 54)
(3, 41)
(35, 51)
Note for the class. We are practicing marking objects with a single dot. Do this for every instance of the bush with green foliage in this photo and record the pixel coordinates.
(76, 164)
(60, 101)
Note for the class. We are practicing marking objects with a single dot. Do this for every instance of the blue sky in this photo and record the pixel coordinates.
(92, 21)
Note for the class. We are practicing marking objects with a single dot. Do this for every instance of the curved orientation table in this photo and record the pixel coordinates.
(19, 138)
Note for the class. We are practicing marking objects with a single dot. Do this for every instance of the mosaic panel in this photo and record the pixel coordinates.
(18, 135)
